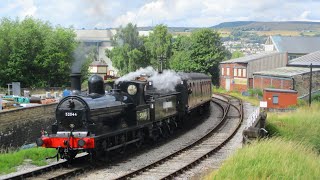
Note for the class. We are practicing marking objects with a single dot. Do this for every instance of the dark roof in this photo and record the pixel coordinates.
(98, 63)
(280, 90)
(296, 44)
(247, 59)
(306, 60)
(193, 75)
(286, 71)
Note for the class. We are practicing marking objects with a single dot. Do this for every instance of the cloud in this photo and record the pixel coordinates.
(196, 13)
(19, 8)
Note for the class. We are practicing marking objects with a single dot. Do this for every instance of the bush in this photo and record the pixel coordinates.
(315, 97)
(255, 92)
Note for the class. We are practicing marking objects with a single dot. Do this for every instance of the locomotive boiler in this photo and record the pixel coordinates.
(99, 122)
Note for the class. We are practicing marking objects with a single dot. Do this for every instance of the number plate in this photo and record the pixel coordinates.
(70, 114)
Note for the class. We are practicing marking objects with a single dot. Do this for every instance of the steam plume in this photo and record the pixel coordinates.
(165, 81)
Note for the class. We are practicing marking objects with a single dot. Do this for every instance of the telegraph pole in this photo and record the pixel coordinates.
(161, 58)
(310, 84)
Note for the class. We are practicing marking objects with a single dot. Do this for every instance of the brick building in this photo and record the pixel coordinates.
(279, 98)
(237, 74)
(296, 76)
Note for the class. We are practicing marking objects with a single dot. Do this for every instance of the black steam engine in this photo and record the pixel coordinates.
(98, 122)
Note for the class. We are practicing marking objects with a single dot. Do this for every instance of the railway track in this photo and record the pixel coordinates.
(167, 167)
(57, 170)
(188, 157)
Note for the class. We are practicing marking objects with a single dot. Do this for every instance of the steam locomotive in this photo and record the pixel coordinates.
(99, 122)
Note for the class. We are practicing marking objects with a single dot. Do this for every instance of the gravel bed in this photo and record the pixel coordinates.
(155, 154)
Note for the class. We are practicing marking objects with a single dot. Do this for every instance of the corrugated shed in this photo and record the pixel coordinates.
(306, 60)
(296, 44)
(286, 71)
(247, 59)
(94, 35)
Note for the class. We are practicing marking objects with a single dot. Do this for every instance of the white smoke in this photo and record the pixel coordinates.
(165, 81)
(149, 71)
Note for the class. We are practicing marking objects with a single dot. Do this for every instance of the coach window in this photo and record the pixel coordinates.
(235, 72)
(275, 99)
(222, 71)
(228, 71)
(244, 73)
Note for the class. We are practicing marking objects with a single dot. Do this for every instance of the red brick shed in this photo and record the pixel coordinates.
(280, 98)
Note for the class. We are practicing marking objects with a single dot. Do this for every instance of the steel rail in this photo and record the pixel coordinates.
(162, 160)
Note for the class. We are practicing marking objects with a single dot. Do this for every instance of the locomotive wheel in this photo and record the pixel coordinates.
(141, 137)
(70, 155)
(166, 130)
(123, 140)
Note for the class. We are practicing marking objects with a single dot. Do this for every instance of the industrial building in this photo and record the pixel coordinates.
(237, 74)
(296, 76)
(99, 68)
(295, 46)
(101, 39)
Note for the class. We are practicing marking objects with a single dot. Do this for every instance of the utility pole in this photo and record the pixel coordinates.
(310, 84)
(161, 58)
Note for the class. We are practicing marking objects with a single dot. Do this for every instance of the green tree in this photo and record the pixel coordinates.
(207, 52)
(181, 58)
(129, 53)
(159, 43)
(237, 54)
(35, 53)
(201, 52)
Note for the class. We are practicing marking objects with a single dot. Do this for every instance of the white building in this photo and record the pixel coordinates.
(102, 40)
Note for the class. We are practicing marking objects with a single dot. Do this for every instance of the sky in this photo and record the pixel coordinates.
(101, 14)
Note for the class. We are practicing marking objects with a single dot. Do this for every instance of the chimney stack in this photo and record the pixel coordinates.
(75, 81)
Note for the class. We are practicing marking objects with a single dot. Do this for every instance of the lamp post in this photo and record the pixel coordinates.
(310, 84)
(161, 58)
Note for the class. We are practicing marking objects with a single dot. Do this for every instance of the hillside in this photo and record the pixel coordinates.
(269, 26)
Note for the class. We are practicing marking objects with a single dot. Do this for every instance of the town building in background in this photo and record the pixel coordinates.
(295, 46)
(296, 76)
(101, 40)
(237, 74)
(100, 68)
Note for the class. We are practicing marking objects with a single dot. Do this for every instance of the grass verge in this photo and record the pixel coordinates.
(293, 152)
(251, 99)
(10, 161)
(302, 125)
(271, 159)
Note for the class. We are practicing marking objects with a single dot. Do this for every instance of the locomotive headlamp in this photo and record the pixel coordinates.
(132, 89)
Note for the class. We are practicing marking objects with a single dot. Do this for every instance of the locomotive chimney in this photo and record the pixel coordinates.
(75, 81)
